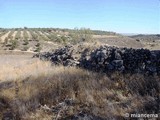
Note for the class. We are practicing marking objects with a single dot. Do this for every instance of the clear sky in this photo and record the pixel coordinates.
(123, 16)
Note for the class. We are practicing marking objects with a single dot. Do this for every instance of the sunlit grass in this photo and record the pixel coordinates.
(27, 85)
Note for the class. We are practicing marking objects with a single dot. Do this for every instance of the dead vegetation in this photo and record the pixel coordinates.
(32, 90)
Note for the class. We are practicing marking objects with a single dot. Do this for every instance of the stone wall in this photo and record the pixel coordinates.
(106, 59)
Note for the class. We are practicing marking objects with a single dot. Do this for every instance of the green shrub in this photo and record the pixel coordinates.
(38, 44)
(25, 48)
(79, 35)
(38, 49)
(25, 35)
(6, 40)
(18, 35)
(25, 42)
(34, 35)
(10, 35)
(14, 44)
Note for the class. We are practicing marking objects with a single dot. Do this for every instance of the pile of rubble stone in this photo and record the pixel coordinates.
(106, 58)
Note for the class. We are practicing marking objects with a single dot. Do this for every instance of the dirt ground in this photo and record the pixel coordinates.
(14, 34)
(4, 36)
(120, 41)
(14, 57)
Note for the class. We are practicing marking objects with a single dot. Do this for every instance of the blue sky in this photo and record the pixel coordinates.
(123, 16)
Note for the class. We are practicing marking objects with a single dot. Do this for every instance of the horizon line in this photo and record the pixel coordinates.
(123, 33)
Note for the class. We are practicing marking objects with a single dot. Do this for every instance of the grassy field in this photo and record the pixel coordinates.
(29, 88)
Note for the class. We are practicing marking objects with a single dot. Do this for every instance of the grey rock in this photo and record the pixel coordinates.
(110, 67)
(117, 63)
(117, 56)
(106, 58)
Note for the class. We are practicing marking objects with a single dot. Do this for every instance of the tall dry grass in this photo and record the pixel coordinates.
(24, 88)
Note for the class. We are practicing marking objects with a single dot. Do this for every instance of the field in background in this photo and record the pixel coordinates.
(47, 39)
(151, 42)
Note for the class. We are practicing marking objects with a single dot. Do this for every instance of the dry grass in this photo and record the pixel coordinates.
(24, 88)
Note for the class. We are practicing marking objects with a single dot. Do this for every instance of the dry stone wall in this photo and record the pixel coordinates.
(106, 59)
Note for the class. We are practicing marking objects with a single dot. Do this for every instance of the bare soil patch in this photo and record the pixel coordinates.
(14, 34)
(29, 35)
(4, 36)
(119, 41)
